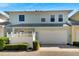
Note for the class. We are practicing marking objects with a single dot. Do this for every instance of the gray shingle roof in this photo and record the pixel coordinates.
(35, 25)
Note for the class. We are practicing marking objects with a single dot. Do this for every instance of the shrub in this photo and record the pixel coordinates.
(2, 44)
(36, 45)
(76, 44)
(3, 41)
(6, 39)
(16, 46)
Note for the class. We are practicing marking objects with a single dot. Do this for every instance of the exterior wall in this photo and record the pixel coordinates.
(36, 17)
(69, 31)
(3, 18)
(75, 32)
(1, 31)
(75, 17)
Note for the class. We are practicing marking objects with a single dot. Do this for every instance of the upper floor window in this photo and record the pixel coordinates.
(60, 18)
(43, 20)
(21, 18)
(52, 19)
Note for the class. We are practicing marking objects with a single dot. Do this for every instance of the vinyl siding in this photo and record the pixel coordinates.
(36, 18)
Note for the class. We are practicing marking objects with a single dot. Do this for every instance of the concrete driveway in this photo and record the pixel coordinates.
(44, 51)
(56, 51)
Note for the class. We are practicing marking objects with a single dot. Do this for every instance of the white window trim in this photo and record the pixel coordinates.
(45, 20)
(24, 18)
(58, 18)
(50, 18)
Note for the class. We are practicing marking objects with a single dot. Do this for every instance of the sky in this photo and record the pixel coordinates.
(38, 6)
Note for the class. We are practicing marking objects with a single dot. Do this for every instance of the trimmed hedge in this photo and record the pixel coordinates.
(2, 44)
(76, 44)
(21, 43)
(36, 45)
(16, 46)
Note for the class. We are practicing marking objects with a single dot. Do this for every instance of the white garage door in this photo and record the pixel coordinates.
(53, 37)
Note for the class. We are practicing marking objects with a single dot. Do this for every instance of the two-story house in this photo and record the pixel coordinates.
(3, 21)
(74, 19)
(48, 26)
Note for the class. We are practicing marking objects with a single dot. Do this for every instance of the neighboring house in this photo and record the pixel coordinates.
(49, 27)
(75, 27)
(3, 22)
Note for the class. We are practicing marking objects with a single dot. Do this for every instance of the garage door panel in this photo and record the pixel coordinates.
(52, 37)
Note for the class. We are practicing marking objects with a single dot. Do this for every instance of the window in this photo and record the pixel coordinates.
(21, 18)
(42, 19)
(60, 19)
(52, 18)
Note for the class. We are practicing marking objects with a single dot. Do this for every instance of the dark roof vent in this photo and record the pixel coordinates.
(36, 10)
